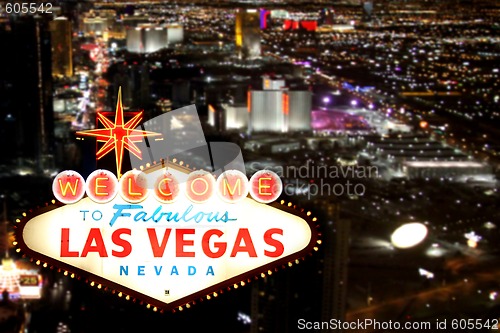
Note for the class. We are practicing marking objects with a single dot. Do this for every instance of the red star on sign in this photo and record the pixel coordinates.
(117, 135)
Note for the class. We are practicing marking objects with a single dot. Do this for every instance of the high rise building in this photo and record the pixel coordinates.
(279, 110)
(267, 110)
(154, 39)
(134, 82)
(367, 10)
(175, 33)
(247, 33)
(26, 116)
(95, 26)
(335, 266)
(134, 40)
(62, 49)
(147, 38)
(299, 104)
(228, 116)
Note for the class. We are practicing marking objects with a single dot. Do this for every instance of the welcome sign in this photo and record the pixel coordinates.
(184, 237)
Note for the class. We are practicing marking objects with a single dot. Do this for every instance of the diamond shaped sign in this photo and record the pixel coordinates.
(165, 253)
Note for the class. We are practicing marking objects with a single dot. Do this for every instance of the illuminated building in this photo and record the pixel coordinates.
(134, 40)
(147, 38)
(326, 16)
(280, 14)
(336, 28)
(264, 17)
(445, 169)
(289, 20)
(175, 34)
(165, 105)
(266, 111)
(307, 25)
(367, 10)
(116, 31)
(299, 110)
(228, 117)
(279, 110)
(247, 31)
(269, 83)
(420, 157)
(213, 116)
(62, 49)
(26, 121)
(132, 21)
(95, 26)
(154, 39)
(20, 282)
(236, 116)
(19, 279)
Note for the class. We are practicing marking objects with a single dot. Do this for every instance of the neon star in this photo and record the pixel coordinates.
(117, 135)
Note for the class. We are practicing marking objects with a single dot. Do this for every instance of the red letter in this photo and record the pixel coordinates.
(158, 249)
(244, 235)
(220, 246)
(99, 247)
(180, 242)
(127, 247)
(65, 252)
(268, 238)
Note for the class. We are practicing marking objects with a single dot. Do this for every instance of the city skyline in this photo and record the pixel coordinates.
(379, 117)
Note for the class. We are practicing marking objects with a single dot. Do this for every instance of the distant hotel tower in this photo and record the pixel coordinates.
(247, 31)
(277, 109)
(147, 38)
(26, 112)
(62, 49)
(367, 10)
